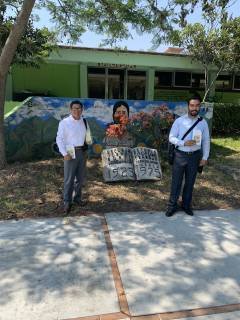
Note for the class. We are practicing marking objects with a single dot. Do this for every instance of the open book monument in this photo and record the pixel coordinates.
(124, 163)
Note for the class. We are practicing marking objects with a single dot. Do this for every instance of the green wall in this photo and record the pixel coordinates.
(8, 94)
(51, 79)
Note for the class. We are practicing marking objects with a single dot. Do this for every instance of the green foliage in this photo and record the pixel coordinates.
(113, 18)
(215, 43)
(226, 119)
(152, 128)
(35, 45)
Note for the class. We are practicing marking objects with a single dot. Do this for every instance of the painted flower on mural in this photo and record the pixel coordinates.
(119, 128)
(152, 127)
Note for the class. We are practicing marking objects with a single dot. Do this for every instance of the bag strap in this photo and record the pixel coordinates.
(190, 129)
(85, 122)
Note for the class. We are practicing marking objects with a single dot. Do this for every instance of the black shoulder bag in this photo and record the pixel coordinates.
(172, 147)
(85, 146)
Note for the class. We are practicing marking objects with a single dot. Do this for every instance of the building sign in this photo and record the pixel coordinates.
(116, 65)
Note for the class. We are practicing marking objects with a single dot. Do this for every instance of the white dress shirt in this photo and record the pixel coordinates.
(71, 132)
(180, 127)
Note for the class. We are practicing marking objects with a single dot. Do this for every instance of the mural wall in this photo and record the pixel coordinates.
(31, 129)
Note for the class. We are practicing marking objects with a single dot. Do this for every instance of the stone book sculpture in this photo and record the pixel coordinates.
(124, 163)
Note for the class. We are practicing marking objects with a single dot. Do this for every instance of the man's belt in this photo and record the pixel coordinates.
(78, 147)
(188, 152)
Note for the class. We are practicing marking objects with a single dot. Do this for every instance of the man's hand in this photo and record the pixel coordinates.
(189, 143)
(67, 157)
(203, 163)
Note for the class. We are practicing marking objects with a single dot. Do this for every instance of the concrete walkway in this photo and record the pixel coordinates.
(121, 266)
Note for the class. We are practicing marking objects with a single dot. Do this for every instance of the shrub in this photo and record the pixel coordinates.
(226, 118)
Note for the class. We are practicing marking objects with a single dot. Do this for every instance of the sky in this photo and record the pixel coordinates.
(140, 43)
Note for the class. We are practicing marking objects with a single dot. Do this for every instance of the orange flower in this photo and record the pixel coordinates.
(115, 130)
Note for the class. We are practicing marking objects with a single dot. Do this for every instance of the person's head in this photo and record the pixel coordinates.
(76, 109)
(120, 109)
(194, 103)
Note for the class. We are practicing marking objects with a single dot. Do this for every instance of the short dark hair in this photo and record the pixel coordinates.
(119, 104)
(194, 96)
(76, 102)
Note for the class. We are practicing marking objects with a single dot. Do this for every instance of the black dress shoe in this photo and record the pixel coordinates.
(170, 212)
(188, 211)
(67, 208)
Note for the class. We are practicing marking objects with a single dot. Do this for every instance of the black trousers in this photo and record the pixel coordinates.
(184, 166)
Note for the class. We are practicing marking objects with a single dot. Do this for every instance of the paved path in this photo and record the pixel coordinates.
(54, 269)
(122, 266)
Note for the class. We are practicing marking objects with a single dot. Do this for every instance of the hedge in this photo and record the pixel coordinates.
(226, 118)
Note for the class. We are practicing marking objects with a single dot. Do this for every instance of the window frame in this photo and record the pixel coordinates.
(233, 82)
(174, 79)
(163, 86)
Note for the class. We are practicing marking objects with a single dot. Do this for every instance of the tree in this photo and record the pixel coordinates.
(6, 59)
(216, 44)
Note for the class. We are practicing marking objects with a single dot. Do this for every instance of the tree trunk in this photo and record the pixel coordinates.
(6, 58)
(211, 84)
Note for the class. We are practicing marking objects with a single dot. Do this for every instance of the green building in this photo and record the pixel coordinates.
(113, 74)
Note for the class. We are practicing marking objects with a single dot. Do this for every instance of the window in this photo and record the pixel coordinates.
(223, 82)
(136, 85)
(236, 82)
(96, 83)
(163, 79)
(115, 84)
(182, 79)
(198, 80)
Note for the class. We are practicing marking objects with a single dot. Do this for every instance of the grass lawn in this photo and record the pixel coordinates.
(226, 150)
(34, 189)
(9, 105)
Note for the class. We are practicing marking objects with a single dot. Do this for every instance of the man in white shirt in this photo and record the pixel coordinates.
(70, 139)
(190, 153)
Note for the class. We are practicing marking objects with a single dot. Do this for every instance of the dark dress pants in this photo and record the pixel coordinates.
(74, 175)
(184, 166)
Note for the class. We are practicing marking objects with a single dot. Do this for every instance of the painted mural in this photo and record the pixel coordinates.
(30, 130)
